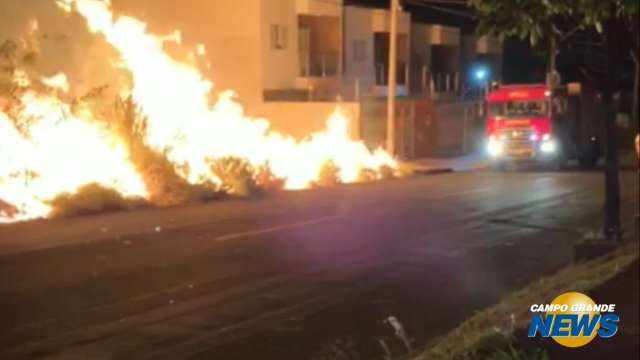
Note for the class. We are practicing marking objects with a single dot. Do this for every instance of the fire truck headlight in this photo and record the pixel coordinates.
(495, 147)
(546, 137)
(533, 137)
(548, 147)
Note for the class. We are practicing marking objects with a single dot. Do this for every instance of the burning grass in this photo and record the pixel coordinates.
(161, 178)
(170, 142)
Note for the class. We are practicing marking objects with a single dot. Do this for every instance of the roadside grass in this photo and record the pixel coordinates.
(93, 199)
(489, 333)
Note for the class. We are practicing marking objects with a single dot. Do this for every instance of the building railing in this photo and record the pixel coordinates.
(321, 64)
(382, 78)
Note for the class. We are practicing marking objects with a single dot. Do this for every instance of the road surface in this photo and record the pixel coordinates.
(301, 275)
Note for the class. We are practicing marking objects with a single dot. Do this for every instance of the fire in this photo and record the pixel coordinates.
(60, 151)
(58, 81)
(57, 152)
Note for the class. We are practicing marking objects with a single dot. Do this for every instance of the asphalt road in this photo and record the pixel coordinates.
(303, 275)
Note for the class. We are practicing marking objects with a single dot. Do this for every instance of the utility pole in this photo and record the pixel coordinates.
(391, 86)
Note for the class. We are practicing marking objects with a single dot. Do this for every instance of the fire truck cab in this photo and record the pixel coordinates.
(538, 124)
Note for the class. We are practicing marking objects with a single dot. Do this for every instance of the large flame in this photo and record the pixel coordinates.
(60, 151)
(47, 150)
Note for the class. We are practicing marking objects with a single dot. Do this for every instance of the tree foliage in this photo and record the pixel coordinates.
(537, 19)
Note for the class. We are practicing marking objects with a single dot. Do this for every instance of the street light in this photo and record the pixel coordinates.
(481, 75)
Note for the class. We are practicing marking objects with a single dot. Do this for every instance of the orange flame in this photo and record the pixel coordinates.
(60, 151)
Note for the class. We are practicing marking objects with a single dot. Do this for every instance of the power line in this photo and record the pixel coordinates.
(440, 8)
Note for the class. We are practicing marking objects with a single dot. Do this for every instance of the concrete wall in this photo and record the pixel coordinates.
(361, 25)
(358, 23)
(300, 119)
(381, 21)
(442, 35)
(319, 7)
(279, 66)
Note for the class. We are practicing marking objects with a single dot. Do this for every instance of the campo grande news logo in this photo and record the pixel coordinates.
(573, 320)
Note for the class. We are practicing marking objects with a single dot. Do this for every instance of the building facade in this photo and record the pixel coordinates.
(291, 60)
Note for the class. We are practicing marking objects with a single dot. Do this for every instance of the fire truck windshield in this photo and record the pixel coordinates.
(515, 109)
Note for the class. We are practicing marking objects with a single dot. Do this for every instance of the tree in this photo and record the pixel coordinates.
(544, 19)
(537, 20)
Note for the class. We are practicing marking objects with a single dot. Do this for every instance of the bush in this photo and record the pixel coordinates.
(387, 172)
(267, 181)
(165, 186)
(92, 199)
(235, 174)
(367, 175)
(328, 175)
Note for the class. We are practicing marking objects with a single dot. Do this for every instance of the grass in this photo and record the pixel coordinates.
(329, 175)
(163, 180)
(236, 175)
(93, 199)
(166, 187)
(468, 341)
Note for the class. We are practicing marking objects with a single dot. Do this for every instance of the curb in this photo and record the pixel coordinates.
(433, 171)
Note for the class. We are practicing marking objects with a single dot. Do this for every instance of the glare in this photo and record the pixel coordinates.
(548, 147)
(495, 147)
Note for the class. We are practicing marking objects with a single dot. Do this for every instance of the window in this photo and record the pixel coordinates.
(359, 51)
(518, 109)
(279, 37)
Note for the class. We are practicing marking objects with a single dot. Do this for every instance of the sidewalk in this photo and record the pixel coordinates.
(468, 162)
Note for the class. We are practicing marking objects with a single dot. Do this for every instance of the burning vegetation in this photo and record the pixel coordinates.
(162, 141)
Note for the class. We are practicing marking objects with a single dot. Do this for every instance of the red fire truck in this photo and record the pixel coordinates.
(536, 123)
